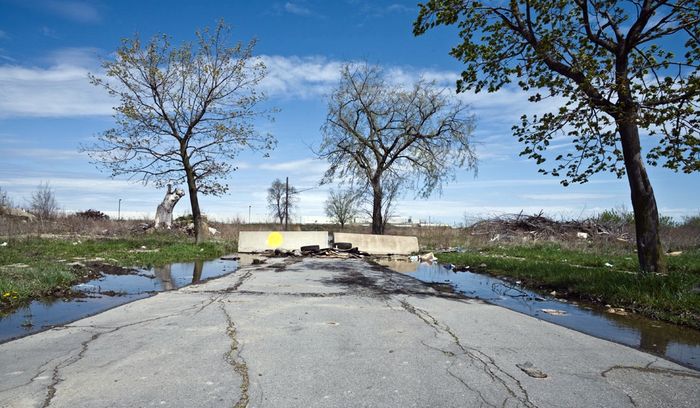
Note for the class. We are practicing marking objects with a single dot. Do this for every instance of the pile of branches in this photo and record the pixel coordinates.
(539, 226)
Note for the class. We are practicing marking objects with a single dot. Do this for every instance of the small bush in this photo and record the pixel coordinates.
(616, 217)
(92, 215)
(691, 221)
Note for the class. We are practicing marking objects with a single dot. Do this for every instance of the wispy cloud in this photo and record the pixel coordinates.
(300, 77)
(296, 8)
(49, 32)
(79, 11)
(61, 90)
(302, 166)
(4, 35)
(44, 154)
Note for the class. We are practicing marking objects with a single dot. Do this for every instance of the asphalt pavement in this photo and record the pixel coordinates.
(328, 333)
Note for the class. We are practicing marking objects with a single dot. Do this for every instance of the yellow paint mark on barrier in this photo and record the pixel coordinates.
(274, 240)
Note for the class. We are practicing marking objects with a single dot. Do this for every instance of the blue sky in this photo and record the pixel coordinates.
(48, 108)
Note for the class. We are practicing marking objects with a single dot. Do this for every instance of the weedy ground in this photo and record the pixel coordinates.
(544, 255)
(33, 267)
(598, 274)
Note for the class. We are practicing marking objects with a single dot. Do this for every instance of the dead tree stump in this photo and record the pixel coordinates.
(164, 213)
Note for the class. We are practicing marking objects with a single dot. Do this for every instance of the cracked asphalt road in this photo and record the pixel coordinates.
(328, 333)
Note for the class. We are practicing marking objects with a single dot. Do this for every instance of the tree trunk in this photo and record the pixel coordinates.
(199, 233)
(646, 215)
(377, 222)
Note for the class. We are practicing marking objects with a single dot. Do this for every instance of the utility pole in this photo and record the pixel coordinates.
(119, 210)
(249, 213)
(286, 205)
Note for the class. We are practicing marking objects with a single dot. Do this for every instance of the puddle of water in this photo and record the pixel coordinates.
(676, 343)
(45, 313)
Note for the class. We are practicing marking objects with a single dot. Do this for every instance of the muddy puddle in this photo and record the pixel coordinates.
(111, 289)
(673, 342)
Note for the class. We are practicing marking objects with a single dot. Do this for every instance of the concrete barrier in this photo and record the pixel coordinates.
(379, 244)
(258, 241)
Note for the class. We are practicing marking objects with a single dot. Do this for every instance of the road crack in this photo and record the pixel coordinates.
(487, 363)
(234, 358)
(240, 281)
(56, 378)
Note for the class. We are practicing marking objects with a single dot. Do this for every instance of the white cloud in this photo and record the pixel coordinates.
(61, 90)
(300, 77)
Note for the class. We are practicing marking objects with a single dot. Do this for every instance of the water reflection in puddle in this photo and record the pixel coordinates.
(676, 343)
(110, 291)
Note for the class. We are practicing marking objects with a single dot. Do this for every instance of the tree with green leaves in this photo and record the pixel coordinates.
(611, 65)
(385, 138)
(184, 114)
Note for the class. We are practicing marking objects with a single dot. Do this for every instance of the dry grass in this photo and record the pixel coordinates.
(498, 231)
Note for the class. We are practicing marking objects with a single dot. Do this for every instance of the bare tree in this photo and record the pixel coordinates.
(184, 114)
(617, 66)
(388, 139)
(5, 201)
(43, 202)
(281, 200)
(342, 206)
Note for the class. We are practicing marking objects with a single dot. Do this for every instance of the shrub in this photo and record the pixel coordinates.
(92, 215)
(616, 217)
(691, 221)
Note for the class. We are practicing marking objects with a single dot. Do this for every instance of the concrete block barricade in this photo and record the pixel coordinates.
(379, 244)
(259, 241)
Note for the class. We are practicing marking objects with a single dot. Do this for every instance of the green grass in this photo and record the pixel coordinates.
(35, 267)
(584, 275)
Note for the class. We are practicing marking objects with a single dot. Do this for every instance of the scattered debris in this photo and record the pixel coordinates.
(554, 312)
(529, 369)
(609, 265)
(675, 253)
(4, 244)
(618, 311)
(533, 227)
(429, 257)
(337, 253)
(258, 261)
(342, 245)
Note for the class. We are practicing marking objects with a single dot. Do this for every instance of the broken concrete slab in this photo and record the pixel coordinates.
(259, 241)
(379, 244)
